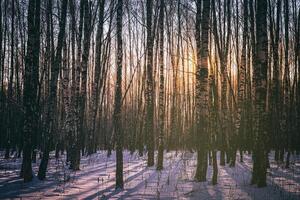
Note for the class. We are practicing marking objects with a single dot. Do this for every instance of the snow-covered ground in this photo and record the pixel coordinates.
(96, 180)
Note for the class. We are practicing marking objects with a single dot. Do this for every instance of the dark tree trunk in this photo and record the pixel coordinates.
(55, 68)
(287, 162)
(260, 93)
(84, 67)
(98, 74)
(215, 167)
(118, 100)
(241, 85)
(202, 88)
(150, 87)
(30, 86)
(160, 156)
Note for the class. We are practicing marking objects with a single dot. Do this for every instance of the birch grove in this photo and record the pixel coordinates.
(214, 77)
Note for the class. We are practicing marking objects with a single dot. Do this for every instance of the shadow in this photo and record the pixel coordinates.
(115, 192)
(203, 190)
(241, 174)
(19, 188)
(175, 181)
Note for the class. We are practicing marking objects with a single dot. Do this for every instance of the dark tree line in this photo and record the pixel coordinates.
(208, 76)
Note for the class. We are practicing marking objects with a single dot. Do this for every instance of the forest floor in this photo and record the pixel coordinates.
(96, 180)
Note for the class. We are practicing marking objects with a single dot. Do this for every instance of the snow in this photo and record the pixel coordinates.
(96, 180)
